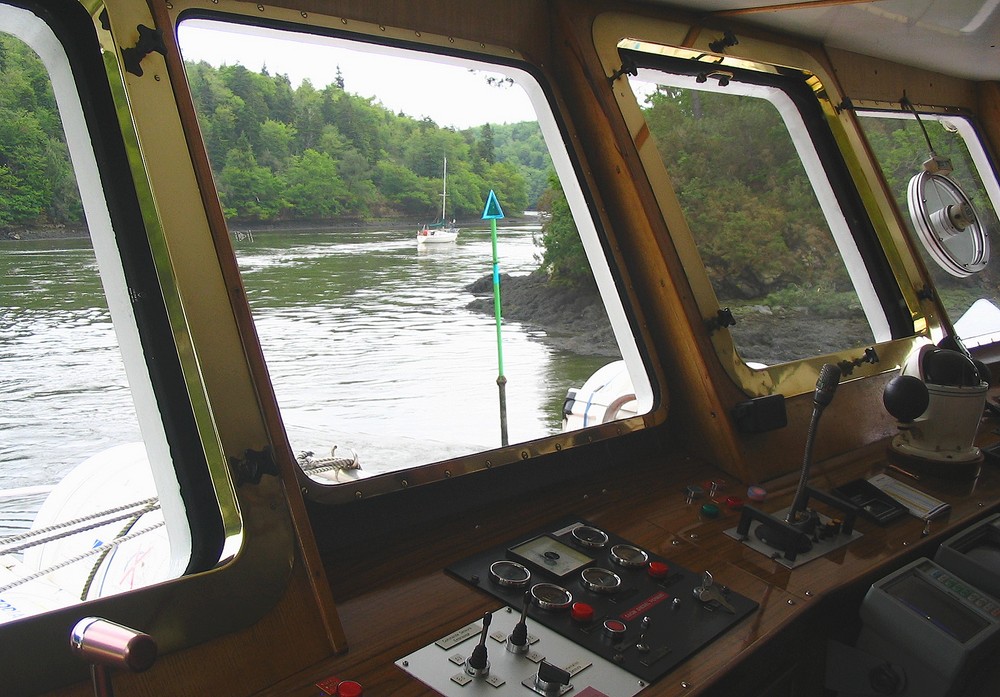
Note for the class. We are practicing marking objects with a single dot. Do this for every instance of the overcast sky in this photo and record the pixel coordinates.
(449, 95)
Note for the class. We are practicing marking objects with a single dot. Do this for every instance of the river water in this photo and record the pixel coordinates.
(364, 334)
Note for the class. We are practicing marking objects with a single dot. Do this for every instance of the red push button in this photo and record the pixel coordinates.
(614, 628)
(657, 569)
(582, 612)
(349, 688)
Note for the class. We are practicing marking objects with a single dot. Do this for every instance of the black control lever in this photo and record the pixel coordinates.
(517, 642)
(477, 665)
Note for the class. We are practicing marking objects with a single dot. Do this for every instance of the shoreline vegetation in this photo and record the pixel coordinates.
(572, 316)
(56, 232)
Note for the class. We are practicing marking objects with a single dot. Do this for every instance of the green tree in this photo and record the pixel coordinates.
(509, 185)
(277, 140)
(763, 233)
(25, 190)
(563, 256)
(313, 188)
(360, 195)
(402, 189)
(37, 183)
(247, 190)
(485, 149)
(308, 116)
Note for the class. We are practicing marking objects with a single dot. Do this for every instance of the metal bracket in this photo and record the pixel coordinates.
(847, 367)
(720, 45)
(149, 40)
(628, 68)
(253, 466)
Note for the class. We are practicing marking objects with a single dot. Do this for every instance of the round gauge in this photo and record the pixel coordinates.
(590, 536)
(628, 556)
(509, 573)
(600, 580)
(549, 596)
(947, 224)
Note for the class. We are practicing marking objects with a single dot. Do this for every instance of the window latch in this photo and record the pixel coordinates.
(723, 318)
(149, 40)
(253, 466)
(628, 68)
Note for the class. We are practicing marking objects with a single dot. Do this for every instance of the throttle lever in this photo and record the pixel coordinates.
(477, 665)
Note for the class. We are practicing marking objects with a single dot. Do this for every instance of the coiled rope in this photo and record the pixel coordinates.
(315, 465)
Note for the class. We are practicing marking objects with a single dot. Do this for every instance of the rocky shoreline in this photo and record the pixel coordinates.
(573, 318)
(53, 232)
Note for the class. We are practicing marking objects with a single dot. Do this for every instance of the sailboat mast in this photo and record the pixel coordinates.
(444, 187)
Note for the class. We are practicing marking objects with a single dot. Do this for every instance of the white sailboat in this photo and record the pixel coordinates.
(441, 231)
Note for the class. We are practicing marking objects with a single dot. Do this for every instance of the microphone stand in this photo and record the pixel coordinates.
(795, 533)
(826, 387)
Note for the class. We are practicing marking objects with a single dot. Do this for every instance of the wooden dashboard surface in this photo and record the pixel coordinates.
(394, 596)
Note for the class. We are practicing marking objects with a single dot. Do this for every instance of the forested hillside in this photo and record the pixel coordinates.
(279, 153)
(283, 153)
(37, 185)
(296, 154)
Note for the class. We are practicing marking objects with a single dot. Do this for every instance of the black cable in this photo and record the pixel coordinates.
(907, 104)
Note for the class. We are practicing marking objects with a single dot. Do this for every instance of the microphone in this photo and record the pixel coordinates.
(826, 388)
(826, 385)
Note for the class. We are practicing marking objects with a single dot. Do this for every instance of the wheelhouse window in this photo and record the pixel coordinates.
(767, 205)
(89, 500)
(424, 274)
(957, 178)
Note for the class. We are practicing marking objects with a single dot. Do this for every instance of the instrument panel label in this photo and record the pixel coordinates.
(645, 606)
(456, 638)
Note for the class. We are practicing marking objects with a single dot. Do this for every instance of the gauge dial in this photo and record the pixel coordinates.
(589, 536)
(550, 555)
(600, 580)
(628, 556)
(549, 596)
(509, 573)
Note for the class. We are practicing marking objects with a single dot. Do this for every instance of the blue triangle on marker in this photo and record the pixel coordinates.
(492, 210)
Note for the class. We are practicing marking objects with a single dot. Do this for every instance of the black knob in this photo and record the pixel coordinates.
(550, 677)
(905, 397)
